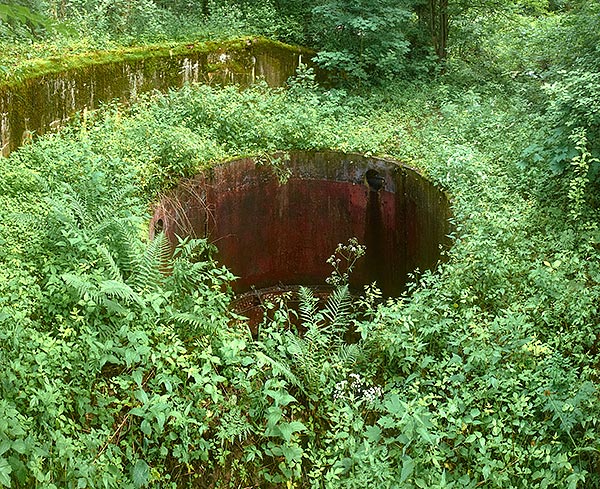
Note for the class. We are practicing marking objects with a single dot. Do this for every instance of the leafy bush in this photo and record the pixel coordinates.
(116, 374)
(363, 41)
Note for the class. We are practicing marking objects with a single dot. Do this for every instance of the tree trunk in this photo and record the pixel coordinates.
(434, 17)
(441, 46)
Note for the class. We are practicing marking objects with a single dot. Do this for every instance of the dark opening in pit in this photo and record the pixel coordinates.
(158, 226)
(375, 180)
(278, 235)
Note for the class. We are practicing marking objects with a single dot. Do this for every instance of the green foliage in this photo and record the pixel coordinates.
(20, 20)
(363, 40)
(277, 164)
(574, 108)
(124, 367)
(120, 18)
(566, 142)
(581, 165)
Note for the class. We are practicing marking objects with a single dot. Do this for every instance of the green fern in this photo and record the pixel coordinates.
(124, 240)
(102, 223)
(308, 307)
(281, 368)
(233, 426)
(348, 354)
(148, 268)
(84, 287)
(194, 322)
(319, 355)
(112, 268)
(119, 290)
(338, 308)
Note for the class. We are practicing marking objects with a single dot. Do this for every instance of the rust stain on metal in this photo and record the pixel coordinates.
(274, 235)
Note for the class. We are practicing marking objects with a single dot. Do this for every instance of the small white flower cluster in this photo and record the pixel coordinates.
(372, 394)
(340, 389)
(357, 388)
(343, 261)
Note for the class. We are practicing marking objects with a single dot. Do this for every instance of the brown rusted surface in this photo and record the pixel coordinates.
(273, 234)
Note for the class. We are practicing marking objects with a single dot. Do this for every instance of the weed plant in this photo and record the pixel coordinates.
(115, 374)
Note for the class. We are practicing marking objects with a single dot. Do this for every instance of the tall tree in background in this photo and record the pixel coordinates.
(434, 18)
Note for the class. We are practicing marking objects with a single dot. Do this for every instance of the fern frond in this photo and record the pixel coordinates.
(307, 306)
(282, 369)
(45, 187)
(310, 354)
(83, 286)
(116, 200)
(78, 206)
(108, 331)
(119, 290)
(295, 345)
(147, 274)
(28, 222)
(113, 307)
(61, 211)
(338, 307)
(348, 355)
(199, 324)
(125, 244)
(114, 272)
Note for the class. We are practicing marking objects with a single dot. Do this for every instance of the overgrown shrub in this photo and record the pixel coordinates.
(116, 374)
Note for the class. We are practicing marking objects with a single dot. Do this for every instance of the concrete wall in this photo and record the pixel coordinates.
(43, 103)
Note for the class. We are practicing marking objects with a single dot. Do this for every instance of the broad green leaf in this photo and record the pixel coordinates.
(373, 433)
(281, 398)
(287, 429)
(395, 406)
(19, 446)
(140, 473)
(408, 466)
(5, 471)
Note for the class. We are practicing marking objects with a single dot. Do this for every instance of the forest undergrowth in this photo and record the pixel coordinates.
(484, 374)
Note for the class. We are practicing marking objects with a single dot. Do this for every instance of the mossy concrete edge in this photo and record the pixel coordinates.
(57, 64)
(44, 101)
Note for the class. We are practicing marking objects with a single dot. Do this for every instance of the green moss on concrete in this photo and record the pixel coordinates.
(57, 64)
(50, 90)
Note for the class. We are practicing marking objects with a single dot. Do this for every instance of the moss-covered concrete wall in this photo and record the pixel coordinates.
(45, 100)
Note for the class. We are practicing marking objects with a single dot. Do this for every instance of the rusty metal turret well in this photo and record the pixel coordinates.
(276, 225)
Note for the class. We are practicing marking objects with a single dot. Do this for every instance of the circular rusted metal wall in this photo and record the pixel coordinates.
(275, 232)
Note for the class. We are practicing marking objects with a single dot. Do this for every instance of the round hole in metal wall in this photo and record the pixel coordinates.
(158, 226)
(374, 180)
